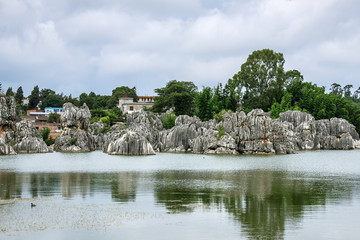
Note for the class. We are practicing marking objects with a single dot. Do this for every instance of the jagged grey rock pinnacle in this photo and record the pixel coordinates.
(75, 135)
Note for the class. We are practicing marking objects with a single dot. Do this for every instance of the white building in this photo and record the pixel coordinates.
(127, 105)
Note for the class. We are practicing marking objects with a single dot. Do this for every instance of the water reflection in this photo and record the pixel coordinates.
(262, 202)
(121, 186)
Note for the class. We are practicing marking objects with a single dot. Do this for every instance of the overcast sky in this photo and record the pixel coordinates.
(81, 46)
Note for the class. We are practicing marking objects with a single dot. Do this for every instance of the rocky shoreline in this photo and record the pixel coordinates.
(144, 134)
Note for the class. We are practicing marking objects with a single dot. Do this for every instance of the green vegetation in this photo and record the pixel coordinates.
(263, 77)
(45, 132)
(73, 141)
(53, 118)
(34, 97)
(221, 131)
(177, 95)
(19, 95)
(9, 92)
(168, 120)
(219, 116)
(262, 82)
(106, 121)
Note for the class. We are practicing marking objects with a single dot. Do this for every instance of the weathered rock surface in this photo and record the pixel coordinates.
(17, 137)
(122, 140)
(6, 149)
(97, 130)
(7, 111)
(28, 139)
(76, 135)
(147, 125)
(252, 133)
(130, 143)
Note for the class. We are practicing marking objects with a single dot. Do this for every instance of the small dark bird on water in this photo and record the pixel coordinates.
(33, 205)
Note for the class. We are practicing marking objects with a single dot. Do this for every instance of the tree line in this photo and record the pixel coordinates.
(262, 82)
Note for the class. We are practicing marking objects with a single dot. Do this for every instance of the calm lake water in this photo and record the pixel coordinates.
(309, 195)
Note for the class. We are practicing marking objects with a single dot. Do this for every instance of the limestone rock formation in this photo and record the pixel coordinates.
(6, 149)
(97, 130)
(335, 133)
(27, 139)
(252, 133)
(130, 143)
(178, 138)
(147, 125)
(76, 135)
(17, 137)
(122, 140)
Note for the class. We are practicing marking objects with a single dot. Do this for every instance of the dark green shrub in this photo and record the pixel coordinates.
(73, 141)
(168, 121)
(221, 131)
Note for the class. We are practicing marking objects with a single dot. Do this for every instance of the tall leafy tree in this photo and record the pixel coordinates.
(357, 93)
(179, 95)
(52, 100)
(121, 92)
(263, 77)
(204, 105)
(19, 95)
(45, 92)
(34, 97)
(336, 89)
(10, 92)
(347, 91)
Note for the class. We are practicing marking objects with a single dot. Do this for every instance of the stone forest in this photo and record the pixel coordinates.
(143, 133)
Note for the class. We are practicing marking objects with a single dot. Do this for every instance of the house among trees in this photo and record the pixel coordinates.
(127, 105)
(49, 118)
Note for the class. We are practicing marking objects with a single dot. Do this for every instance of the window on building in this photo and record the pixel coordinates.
(131, 108)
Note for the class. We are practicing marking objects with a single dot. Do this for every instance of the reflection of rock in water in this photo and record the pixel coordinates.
(75, 183)
(8, 187)
(123, 186)
(38, 185)
(261, 201)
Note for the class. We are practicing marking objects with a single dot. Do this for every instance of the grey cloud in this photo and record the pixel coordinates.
(72, 46)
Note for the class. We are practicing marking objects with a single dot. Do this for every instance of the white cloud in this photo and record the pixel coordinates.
(81, 43)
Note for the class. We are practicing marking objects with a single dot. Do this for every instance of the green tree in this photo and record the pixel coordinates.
(347, 91)
(293, 75)
(53, 118)
(19, 95)
(113, 116)
(263, 77)
(168, 120)
(90, 100)
(72, 100)
(336, 89)
(204, 105)
(178, 95)
(52, 100)
(10, 92)
(34, 97)
(45, 132)
(357, 93)
(45, 92)
(121, 92)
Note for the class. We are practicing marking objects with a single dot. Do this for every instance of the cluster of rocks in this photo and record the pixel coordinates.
(78, 135)
(240, 133)
(144, 134)
(17, 136)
